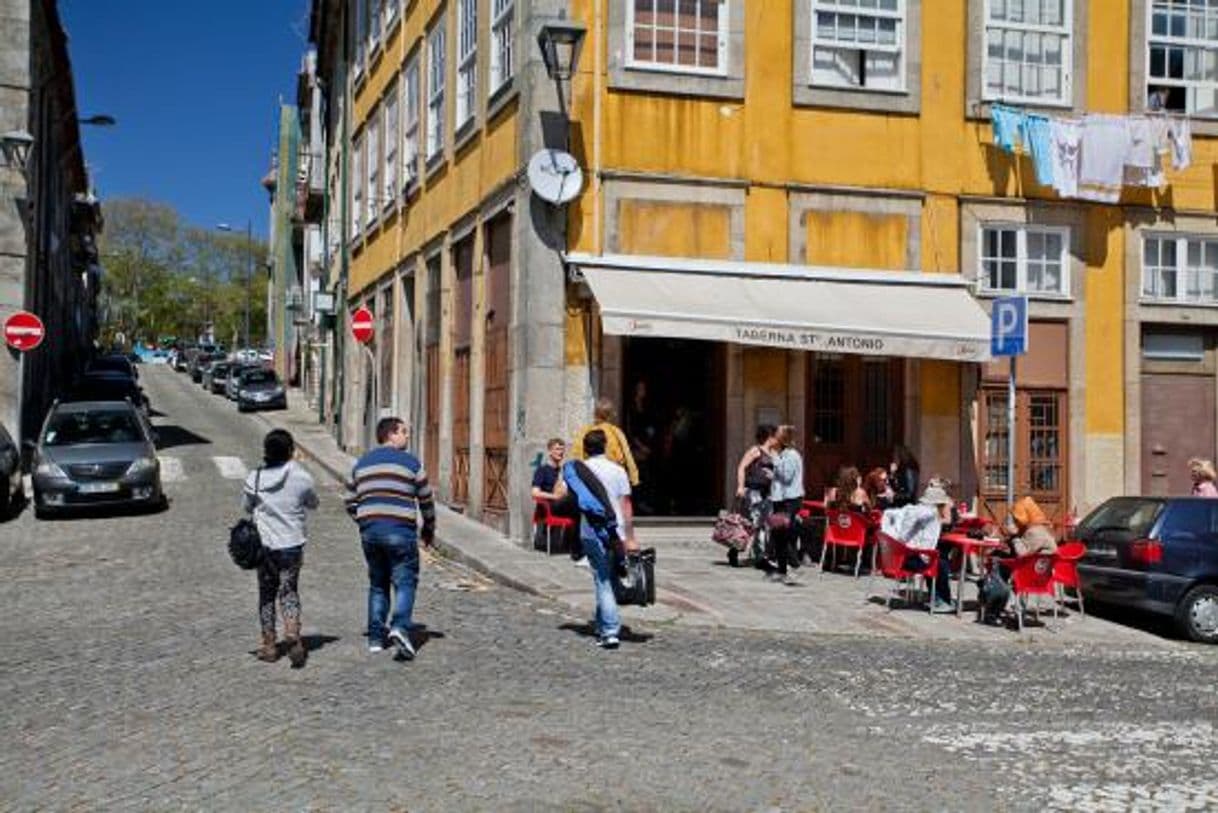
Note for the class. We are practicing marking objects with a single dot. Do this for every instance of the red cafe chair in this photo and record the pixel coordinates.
(543, 515)
(1065, 572)
(845, 529)
(893, 554)
(1031, 575)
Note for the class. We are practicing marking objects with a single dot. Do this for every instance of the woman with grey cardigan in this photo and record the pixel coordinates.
(278, 494)
(786, 494)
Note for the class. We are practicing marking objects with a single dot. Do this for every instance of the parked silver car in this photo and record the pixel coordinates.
(93, 453)
(10, 473)
(260, 389)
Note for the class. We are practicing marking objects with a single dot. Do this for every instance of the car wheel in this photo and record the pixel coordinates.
(6, 497)
(1197, 614)
(39, 511)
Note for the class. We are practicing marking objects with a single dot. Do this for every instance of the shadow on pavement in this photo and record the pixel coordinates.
(105, 511)
(586, 630)
(171, 436)
(1146, 622)
(315, 642)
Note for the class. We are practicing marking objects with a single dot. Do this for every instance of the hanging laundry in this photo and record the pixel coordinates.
(1035, 133)
(1179, 134)
(1006, 122)
(1105, 146)
(1064, 147)
(1142, 165)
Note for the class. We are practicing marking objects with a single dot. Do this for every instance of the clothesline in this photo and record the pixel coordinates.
(1092, 157)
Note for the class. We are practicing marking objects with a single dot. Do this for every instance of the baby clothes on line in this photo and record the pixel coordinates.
(1006, 122)
(1142, 165)
(1035, 133)
(1179, 134)
(1064, 147)
(1105, 145)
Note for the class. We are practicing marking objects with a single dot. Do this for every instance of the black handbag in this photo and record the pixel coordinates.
(244, 541)
(636, 579)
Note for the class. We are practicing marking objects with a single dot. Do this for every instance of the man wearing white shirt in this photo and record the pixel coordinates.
(617, 487)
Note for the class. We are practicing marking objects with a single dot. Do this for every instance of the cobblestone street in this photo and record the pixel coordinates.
(129, 682)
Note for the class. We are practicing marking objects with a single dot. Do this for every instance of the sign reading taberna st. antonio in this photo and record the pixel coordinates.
(1009, 326)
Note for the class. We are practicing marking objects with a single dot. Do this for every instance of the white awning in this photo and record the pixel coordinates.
(840, 310)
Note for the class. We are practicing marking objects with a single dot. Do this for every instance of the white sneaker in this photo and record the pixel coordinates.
(609, 642)
(373, 649)
(402, 641)
(581, 562)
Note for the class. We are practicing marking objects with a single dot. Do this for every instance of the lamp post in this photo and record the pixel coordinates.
(249, 270)
(560, 41)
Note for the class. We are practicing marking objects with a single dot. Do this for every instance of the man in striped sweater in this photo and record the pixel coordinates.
(391, 501)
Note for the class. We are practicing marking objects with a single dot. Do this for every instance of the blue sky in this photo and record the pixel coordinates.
(195, 88)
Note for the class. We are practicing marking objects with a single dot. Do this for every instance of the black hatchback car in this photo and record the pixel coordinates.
(1156, 554)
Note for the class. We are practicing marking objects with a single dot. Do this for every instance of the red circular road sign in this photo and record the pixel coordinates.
(361, 325)
(23, 331)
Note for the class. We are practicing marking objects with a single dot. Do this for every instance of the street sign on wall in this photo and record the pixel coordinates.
(1009, 326)
(23, 331)
(362, 326)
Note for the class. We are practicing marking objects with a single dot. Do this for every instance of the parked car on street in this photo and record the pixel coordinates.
(1157, 555)
(92, 453)
(107, 385)
(200, 363)
(246, 356)
(216, 377)
(182, 359)
(234, 378)
(113, 363)
(10, 473)
(260, 389)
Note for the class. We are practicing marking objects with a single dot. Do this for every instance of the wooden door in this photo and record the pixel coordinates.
(463, 261)
(1041, 456)
(1177, 425)
(431, 361)
(498, 360)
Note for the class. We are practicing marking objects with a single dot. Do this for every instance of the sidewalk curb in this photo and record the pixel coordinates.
(447, 549)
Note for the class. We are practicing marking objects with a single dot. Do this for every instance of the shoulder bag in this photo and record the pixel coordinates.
(244, 541)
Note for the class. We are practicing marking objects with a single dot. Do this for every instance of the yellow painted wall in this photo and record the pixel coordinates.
(674, 229)
(856, 239)
(471, 173)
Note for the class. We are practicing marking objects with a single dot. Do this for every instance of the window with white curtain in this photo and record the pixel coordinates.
(389, 178)
(858, 44)
(1025, 259)
(357, 185)
(435, 90)
(502, 31)
(681, 36)
(1182, 63)
(1180, 268)
(467, 60)
(373, 161)
(1028, 52)
(410, 120)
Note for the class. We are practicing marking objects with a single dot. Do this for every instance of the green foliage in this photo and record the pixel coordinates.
(165, 277)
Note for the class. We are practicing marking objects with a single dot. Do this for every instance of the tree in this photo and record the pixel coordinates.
(167, 278)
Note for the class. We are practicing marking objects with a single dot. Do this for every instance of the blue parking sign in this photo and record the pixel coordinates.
(1009, 326)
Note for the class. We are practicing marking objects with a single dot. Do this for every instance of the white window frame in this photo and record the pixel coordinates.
(837, 7)
(503, 27)
(467, 61)
(372, 162)
(389, 14)
(1168, 42)
(389, 138)
(669, 67)
(436, 64)
(361, 35)
(357, 186)
(1065, 30)
(376, 10)
(410, 120)
(1184, 272)
(1022, 230)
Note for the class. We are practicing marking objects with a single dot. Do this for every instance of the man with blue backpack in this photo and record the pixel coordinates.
(602, 490)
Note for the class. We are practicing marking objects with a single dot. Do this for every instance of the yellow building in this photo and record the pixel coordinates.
(793, 212)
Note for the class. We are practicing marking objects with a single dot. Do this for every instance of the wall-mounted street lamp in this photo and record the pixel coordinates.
(560, 41)
(15, 146)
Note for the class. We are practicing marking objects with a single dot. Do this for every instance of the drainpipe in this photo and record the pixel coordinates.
(340, 299)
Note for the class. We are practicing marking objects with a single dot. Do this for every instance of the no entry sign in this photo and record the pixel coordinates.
(361, 325)
(23, 331)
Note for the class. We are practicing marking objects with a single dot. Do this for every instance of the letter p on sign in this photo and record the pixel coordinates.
(1009, 326)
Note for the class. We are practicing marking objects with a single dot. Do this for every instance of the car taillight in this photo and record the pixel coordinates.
(1146, 552)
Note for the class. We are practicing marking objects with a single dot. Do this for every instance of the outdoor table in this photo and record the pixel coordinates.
(970, 522)
(967, 546)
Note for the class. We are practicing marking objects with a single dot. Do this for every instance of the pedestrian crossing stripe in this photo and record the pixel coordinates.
(231, 468)
(171, 469)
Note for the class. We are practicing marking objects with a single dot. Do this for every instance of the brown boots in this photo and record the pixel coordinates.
(296, 648)
(268, 650)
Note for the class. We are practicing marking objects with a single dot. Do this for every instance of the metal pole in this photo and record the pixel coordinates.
(376, 397)
(1011, 437)
(249, 275)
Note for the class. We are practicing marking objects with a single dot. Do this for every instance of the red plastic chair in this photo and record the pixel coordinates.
(893, 554)
(543, 515)
(1065, 572)
(845, 529)
(1032, 575)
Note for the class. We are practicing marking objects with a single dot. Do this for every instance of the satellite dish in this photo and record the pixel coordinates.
(555, 176)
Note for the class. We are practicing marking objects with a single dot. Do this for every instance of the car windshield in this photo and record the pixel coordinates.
(1132, 514)
(110, 363)
(92, 426)
(258, 377)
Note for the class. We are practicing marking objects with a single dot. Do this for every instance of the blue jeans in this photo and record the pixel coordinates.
(608, 622)
(393, 559)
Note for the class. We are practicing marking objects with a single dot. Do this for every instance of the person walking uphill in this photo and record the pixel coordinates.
(391, 500)
(617, 448)
(278, 494)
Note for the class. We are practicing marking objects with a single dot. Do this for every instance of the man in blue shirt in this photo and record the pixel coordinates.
(391, 500)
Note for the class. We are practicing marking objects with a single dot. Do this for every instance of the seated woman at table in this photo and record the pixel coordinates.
(919, 526)
(848, 493)
(879, 490)
(1027, 530)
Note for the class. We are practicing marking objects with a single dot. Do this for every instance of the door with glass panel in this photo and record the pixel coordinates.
(1040, 450)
